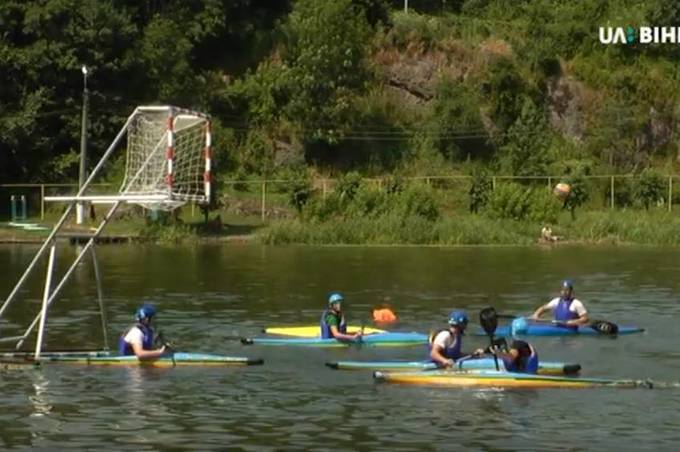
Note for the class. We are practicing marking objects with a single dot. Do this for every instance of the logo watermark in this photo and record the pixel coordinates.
(642, 35)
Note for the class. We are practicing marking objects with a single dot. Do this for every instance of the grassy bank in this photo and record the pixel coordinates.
(654, 227)
(607, 227)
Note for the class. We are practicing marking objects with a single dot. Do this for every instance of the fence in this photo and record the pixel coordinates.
(604, 189)
(270, 194)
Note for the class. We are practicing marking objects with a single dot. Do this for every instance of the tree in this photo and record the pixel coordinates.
(526, 152)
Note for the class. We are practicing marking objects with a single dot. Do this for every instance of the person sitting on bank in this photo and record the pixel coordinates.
(521, 358)
(138, 339)
(567, 310)
(546, 234)
(333, 323)
(446, 344)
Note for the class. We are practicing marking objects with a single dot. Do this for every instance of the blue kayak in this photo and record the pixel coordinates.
(391, 339)
(544, 367)
(547, 329)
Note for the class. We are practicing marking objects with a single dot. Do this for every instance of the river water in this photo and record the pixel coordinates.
(208, 294)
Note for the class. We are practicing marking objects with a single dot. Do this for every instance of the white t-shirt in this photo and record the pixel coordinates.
(575, 306)
(444, 339)
(134, 336)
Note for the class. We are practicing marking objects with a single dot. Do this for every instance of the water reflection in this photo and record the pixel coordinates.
(42, 405)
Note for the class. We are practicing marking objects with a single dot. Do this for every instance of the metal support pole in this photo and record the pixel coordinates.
(493, 183)
(611, 189)
(70, 270)
(65, 215)
(22, 201)
(13, 203)
(100, 298)
(46, 296)
(264, 199)
(670, 193)
(80, 208)
(323, 188)
(42, 202)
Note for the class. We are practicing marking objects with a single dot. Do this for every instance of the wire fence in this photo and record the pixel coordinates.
(270, 198)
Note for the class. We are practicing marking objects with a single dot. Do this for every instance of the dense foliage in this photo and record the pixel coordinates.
(307, 87)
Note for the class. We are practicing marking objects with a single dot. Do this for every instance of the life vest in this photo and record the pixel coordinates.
(452, 352)
(125, 348)
(326, 329)
(524, 364)
(563, 314)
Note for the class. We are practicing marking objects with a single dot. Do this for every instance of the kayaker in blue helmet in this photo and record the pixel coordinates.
(567, 310)
(521, 357)
(445, 344)
(138, 339)
(333, 323)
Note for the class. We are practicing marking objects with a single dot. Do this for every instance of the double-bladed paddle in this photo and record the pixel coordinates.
(488, 318)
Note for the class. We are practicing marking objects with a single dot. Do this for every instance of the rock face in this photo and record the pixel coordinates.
(566, 107)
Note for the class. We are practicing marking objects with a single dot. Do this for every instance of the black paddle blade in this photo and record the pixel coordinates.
(604, 327)
(488, 318)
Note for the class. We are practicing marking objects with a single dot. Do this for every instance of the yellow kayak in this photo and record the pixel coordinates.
(313, 331)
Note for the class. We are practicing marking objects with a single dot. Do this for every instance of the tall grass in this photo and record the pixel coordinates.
(614, 227)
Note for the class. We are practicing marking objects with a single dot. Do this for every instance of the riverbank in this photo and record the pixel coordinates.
(634, 227)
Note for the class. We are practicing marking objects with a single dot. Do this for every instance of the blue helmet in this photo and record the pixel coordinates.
(568, 284)
(335, 297)
(458, 318)
(145, 311)
(519, 326)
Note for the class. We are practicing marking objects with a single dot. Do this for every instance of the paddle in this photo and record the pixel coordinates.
(488, 318)
(171, 347)
(600, 326)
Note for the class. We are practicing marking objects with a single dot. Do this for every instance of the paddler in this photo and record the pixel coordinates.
(138, 339)
(333, 323)
(567, 310)
(521, 358)
(445, 344)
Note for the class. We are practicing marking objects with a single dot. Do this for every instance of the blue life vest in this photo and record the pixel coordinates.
(326, 329)
(452, 352)
(562, 312)
(147, 341)
(525, 364)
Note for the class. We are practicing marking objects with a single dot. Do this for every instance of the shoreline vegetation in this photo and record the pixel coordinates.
(655, 228)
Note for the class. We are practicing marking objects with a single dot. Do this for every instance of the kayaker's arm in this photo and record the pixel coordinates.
(539, 312)
(146, 354)
(581, 320)
(437, 356)
(342, 336)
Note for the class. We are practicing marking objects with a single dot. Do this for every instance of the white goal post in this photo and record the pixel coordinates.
(168, 160)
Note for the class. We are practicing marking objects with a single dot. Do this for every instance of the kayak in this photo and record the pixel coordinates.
(537, 329)
(544, 367)
(387, 339)
(500, 379)
(313, 331)
(168, 360)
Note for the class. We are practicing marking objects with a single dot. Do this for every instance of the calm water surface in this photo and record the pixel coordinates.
(208, 294)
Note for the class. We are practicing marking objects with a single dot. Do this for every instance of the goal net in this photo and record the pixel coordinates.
(168, 158)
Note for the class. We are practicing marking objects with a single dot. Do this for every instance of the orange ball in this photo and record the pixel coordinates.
(562, 190)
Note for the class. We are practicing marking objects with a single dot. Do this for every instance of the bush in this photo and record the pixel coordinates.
(650, 188)
(516, 202)
(510, 201)
(480, 189)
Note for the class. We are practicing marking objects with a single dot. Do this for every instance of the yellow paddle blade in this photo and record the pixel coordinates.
(314, 330)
